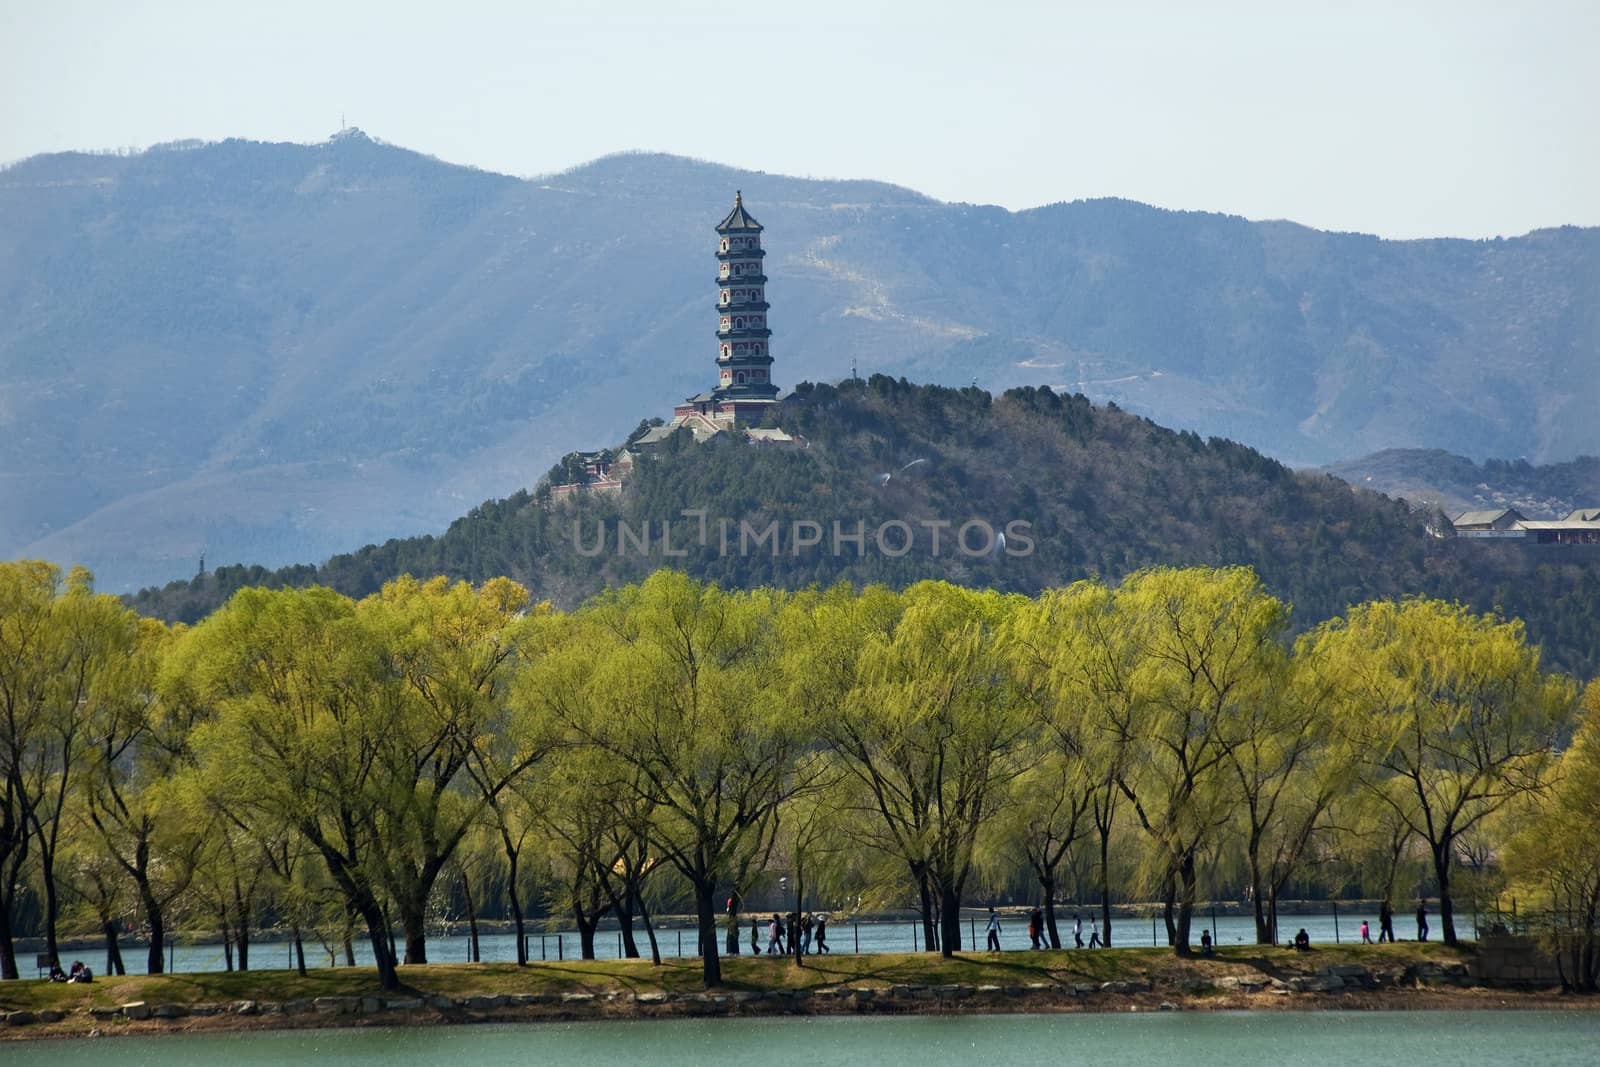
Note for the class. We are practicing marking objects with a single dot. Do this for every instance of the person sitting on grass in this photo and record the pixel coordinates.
(1205, 943)
(1302, 941)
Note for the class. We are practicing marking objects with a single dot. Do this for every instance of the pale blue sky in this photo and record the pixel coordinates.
(1404, 119)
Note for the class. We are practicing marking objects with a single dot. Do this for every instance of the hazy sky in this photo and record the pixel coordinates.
(1405, 119)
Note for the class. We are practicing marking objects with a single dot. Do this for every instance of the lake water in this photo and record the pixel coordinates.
(870, 937)
(1193, 1039)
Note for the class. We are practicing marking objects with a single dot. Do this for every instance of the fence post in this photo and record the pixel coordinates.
(680, 943)
(857, 927)
(914, 947)
(561, 947)
(1153, 931)
(1336, 922)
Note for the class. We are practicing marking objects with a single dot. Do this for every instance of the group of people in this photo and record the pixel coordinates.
(1038, 936)
(810, 930)
(80, 972)
(1386, 924)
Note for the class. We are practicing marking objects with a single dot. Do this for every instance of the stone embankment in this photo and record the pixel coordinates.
(1312, 989)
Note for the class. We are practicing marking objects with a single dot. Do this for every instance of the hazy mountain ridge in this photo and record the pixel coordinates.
(1455, 483)
(411, 336)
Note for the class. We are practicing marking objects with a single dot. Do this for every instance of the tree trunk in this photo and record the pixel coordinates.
(299, 953)
(1188, 890)
(705, 910)
(1048, 884)
(473, 953)
(650, 933)
(227, 947)
(797, 939)
(630, 948)
(1447, 911)
(1105, 882)
(1259, 900)
(414, 922)
(586, 929)
(114, 963)
(8, 945)
(949, 919)
(1169, 897)
(155, 961)
(52, 907)
(243, 933)
(382, 943)
(930, 937)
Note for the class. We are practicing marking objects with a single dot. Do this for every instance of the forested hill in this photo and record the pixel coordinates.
(1103, 492)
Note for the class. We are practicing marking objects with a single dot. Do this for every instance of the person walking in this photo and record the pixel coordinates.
(1422, 920)
(774, 937)
(822, 934)
(1036, 928)
(1094, 936)
(1366, 933)
(1077, 930)
(1385, 922)
(755, 936)
(994, 930)
(806, 924)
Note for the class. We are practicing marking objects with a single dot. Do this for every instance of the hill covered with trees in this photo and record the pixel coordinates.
(1084, 491)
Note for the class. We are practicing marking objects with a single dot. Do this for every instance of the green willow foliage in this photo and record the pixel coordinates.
(1105, 492)
(301, 746)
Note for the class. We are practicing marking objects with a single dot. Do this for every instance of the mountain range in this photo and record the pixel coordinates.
(272, 352)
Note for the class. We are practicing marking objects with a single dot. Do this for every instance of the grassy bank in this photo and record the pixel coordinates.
(740, 973)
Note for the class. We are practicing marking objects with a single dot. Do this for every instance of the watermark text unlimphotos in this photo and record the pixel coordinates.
(974, 538)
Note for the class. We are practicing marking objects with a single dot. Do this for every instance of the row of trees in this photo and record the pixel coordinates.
(323, 764)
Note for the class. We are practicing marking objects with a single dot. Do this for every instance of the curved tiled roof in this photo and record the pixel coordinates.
(738, 218)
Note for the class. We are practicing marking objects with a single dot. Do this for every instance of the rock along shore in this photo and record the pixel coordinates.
(1442, 985)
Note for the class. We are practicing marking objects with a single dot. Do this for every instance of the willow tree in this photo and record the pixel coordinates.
(131, 797)
(60, 647)
(1555, 859)
(1073, 652)
(1289, 768)
(304, 705)
(1208, 643)
(1451, 712)
(452, 748)
(928, 721)
(683, 692)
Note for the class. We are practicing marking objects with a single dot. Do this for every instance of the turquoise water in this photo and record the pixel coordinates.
(845, 937)
(1191, 1039)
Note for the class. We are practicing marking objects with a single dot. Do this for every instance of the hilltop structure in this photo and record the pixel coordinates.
(1581, 527)
(745, 394)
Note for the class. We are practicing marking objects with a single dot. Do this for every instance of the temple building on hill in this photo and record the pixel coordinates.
(745, 393)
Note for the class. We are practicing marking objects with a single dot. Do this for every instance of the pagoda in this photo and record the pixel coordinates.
(745, 392)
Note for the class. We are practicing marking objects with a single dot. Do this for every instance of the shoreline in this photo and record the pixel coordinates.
(1386, 978)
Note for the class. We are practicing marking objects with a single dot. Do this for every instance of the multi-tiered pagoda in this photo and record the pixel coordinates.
(745, 391)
